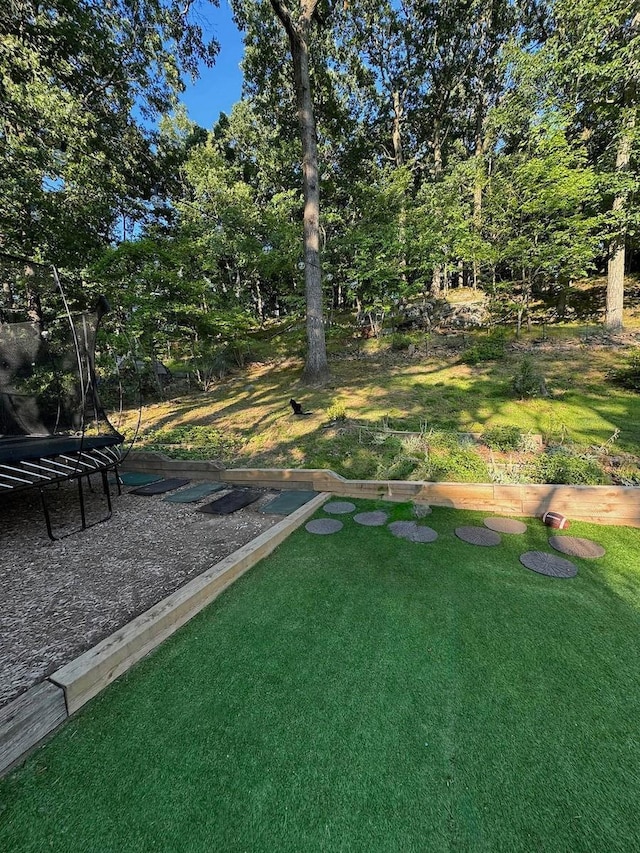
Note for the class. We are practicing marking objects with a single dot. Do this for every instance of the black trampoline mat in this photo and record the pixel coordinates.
(237, 499)
(159, 487)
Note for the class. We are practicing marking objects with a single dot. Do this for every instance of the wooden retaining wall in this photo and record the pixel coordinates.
(616, 505)
(34, 715)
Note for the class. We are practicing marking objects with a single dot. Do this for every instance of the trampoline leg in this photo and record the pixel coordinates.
(47, 517)
(81, 496)
(107, 491)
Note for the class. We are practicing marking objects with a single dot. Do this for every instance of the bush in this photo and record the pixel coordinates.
(528, 381)
(562, 466)
(628, 376)
(400, 342)
(336, 412)
(488, 349)
(448, 461)
(503, 438)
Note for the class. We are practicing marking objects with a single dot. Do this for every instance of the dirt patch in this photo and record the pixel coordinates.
(61, 598)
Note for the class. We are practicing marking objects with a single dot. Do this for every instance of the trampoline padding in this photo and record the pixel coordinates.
(288, 502)
(195, 493)
(27, 448)
(237, 499)
(159, 487)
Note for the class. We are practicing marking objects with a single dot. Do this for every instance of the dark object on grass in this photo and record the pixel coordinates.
(478, 536)
(159, 487)
(371, 519)
(339, 507)
(297, 408)
(324, 526)
(236, 499)
(505, 525)
(412, 531)
(575, 546)
(548, 564)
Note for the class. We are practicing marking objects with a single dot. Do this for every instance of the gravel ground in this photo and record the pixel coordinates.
(60, 598)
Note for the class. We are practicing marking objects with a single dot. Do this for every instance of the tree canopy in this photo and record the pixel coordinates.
(399, 148)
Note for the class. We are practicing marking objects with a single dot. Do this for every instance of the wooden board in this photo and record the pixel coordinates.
(86, 676)
(25, 721)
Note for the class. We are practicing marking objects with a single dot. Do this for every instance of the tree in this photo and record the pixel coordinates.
(297, 27)
(595, 54)
(71, 74)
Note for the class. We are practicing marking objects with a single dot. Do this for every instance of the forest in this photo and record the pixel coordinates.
(381, 153)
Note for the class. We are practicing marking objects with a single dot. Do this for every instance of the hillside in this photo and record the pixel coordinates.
(417, 383)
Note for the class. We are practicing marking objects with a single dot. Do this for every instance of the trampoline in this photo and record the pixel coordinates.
(53, 427)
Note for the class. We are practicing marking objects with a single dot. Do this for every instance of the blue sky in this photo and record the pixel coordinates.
(219, 87)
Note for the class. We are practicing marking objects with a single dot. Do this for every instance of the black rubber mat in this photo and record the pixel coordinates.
(237, 499)
(160, 487)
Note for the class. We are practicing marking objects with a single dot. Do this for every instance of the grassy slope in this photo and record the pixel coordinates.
(247, 420)
(361, 693)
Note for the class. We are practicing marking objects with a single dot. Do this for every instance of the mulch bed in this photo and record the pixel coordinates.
(61, 598)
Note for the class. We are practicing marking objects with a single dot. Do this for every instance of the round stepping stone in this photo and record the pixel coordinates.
(412, 531)
(339, 507)
(548, 564)
(478, 536)
(402, 529)
(324, 526)
(424, 534)
(505, 525)
(576, 547)
(371, 519)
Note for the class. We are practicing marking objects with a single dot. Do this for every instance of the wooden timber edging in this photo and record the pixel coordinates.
(25, 721)
(615, 505)
(34, 715)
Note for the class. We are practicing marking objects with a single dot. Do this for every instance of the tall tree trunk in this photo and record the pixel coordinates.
(399, 161)
(316, 369)
(436, 278)
(615, 269)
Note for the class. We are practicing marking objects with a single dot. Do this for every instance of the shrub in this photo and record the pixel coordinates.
(528, 381)
(400, 341)
(503, 438)
(628, 376)
(448, 461)
(561, 465)
(336, 411)
(487, 349)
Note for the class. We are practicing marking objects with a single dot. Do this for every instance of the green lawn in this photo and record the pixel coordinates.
(357, 692)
